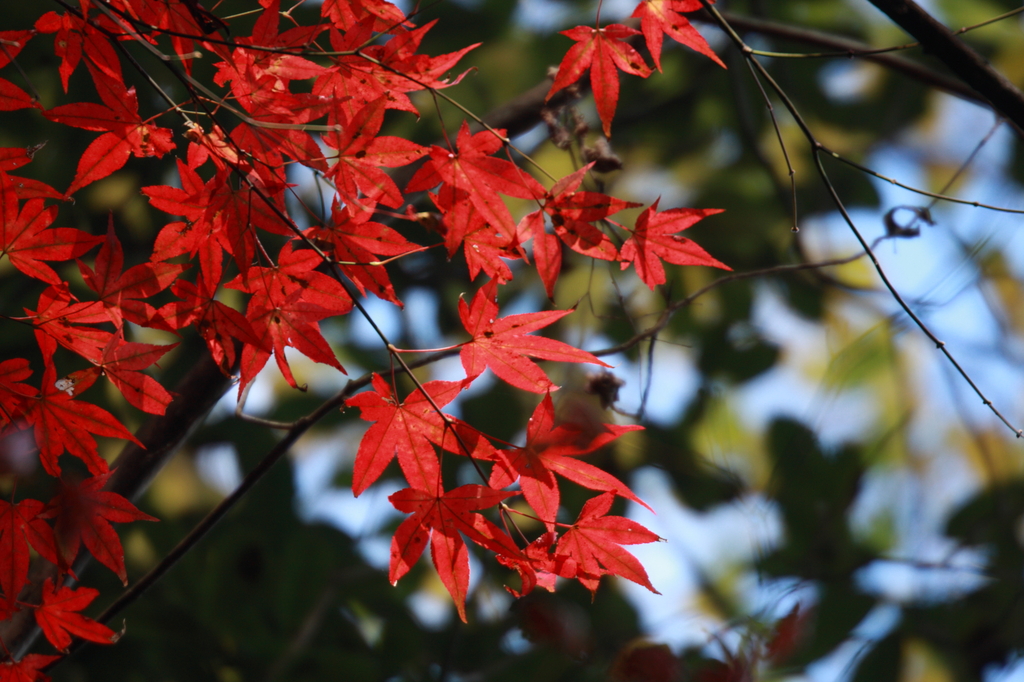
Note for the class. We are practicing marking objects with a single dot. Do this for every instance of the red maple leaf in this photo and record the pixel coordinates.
(503, 344)
(13, 393)
(269, 145)
(483, 245)
(662, 16)
(353, 80)
(232, 213)
(76, 38)
(259, 81)
(11, 96)
(355, 242)
(28, 669)
(122, 362)
(16, 157)
(595, 542)
(351, 228)
(27, 238)
(215, 146)
(601, 50)
(27, 188)
(406, 71)
(62, 423)
(126, 134)
(13, 43)
(295, 273)
(83, 513)
(345, 14)
(180, 20)
(276, 63)
(59, 319)
(360, 153)
(440, 518)
(287, 303)
(120, 291)
(59, 618)
(472, 169)
(218, 215)
(186, 200)
(20, 526)
(654, 238)
(364, 71)
(571, 213)
(537, 566)
(551, 450)
(408, 429)
(194, 236)
(217, 323)
(281, 322)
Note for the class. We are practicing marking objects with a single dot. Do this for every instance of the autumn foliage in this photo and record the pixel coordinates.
(317, 96)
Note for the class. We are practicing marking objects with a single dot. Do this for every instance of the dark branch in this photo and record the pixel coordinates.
(135, 467)
(961, 59)
(853, 48)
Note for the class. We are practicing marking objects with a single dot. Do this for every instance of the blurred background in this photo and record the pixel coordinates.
(808, 451)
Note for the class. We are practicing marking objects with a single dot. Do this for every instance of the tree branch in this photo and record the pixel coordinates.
(204, 385)
(817, 149)
(961, 59)
(666, 314)
(134, 468)
(162, 435)
(852, 48)
(523, 112)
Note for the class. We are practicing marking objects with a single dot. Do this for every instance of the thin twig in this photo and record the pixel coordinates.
(795, 227)
(959, 57)
(852, 48)
(848, 53)
(817, 149)
(666, 314)
(934, 195)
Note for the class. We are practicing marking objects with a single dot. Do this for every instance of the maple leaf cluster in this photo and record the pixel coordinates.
(605, 51)
(317, 96)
